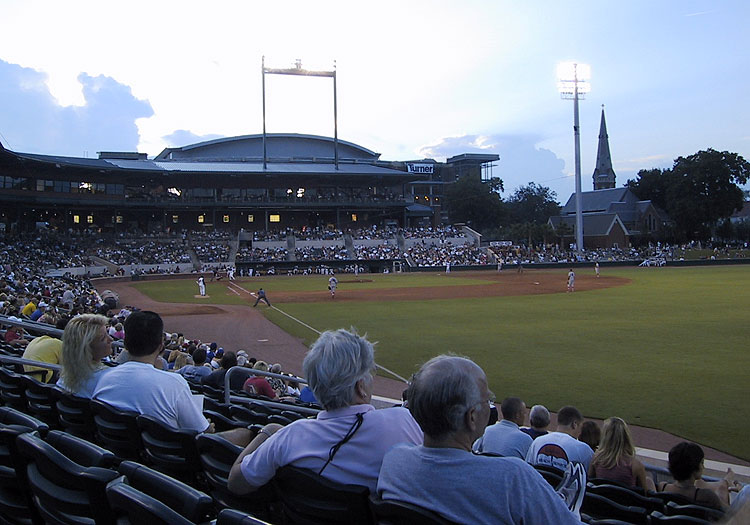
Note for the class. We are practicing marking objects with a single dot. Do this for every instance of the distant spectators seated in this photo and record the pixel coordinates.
(449, 398)
(261, 254)
(216, 378)
(347, 441)
(85, 343)
(259, 385)
(322, 253)
(143, 251)
(137, 386)
(686, 466)
(559, 448)
(381, 251)
(615, 458)
(538, 421)
(439, 254)
(441, 232)
(198, 370)
(505, 437)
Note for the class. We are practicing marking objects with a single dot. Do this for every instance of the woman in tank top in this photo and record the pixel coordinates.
(615, 458)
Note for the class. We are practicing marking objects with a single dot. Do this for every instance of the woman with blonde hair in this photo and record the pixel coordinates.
(85, 342)
(615, 458)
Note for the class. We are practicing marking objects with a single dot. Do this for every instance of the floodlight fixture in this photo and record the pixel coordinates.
(573, 83)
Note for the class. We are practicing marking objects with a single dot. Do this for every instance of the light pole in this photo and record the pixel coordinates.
(573, 83)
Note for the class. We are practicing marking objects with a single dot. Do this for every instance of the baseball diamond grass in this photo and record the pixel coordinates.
(669, 350)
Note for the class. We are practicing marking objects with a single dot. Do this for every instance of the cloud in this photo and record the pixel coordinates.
(521, 161)
(33, 120)
(184, 137)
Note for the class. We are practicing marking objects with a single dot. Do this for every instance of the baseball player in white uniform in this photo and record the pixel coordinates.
(332, 284)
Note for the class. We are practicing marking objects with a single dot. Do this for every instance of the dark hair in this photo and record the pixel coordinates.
(591, 434)
(567, 415)
(143, 333)
(199, 356)
(228, 360)
(511, 407)
(684, 459)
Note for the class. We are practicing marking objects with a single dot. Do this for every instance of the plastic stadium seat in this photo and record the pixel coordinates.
(696, 511)
(66, 491)
(666, 497)
(171, 451)
(279, 419)
(657, 518)
(117, 430)
(626, 497)
(189, 503)
(235, 517)
(222, 422)
(215, 406)
(217, 455)
(12, 390)
(75, 414)
(291, 415)
(551, 474)
(15, 495)
(138, 507)
(40, 401)
(604, 508)
(605, 481)
(393, 512)
(309, 498)
(248, 416)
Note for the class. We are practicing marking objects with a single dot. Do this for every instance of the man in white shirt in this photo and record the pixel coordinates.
(559, 448)
(137, 386)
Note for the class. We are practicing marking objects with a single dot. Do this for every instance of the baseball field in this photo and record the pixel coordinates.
(661, 347)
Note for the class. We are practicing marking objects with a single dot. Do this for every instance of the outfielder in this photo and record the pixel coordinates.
(571, 281)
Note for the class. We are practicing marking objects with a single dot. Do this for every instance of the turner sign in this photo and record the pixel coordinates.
(421, 168)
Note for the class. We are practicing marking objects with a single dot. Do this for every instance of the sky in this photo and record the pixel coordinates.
(415, 79)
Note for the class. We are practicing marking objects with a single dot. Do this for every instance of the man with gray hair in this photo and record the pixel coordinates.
(539, 421)
(449, 398)
(347, 441)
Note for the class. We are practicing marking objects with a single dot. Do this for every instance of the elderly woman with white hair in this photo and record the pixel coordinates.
(85, 342)
(347, 441)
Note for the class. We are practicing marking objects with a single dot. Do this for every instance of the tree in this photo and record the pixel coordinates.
(475, 202)
(533, 203)
(697, 191)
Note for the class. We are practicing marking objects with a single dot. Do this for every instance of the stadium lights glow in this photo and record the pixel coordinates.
(573, 83)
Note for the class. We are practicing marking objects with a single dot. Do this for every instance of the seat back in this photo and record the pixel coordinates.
(600, 507)
(215, 406)
(40, 400)
(248, 416)
(657, 518)
(235, 517)
(137, 507)
(551, 474)
(12, 390)
(15, 494)
(309, 498)
(217, 455)
(696, 511)
(75, 414)
(117, 430)
(393, 512)
(626, 497)
(65, 491)
(192, 504)
(170, 450)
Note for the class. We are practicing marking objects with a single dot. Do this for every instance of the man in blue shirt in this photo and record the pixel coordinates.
(505, 437)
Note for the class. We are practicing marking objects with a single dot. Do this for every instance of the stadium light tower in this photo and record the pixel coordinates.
(573, 83)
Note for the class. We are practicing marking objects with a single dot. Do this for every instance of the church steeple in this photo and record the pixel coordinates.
(604, 174)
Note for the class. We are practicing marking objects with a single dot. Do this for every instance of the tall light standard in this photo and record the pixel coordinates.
(573, 83)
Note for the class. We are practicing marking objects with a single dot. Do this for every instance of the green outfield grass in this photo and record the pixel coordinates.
(669, 350)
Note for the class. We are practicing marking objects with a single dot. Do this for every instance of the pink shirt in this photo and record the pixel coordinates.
(305, 443)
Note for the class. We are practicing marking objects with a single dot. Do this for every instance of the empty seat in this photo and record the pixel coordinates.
(657, 518)
(75, 414)
(393, 512)
(40, 401)
(309, 498)
(216, 406)
(12, 390)
(66, 490)
(602, 508)
(171, 451)
(217, 455)
(15, 495)
(697, 511)
(248, 416)
(222, 422)
(627, 497)
(117, 430)
(236, 517)
(146, 487)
